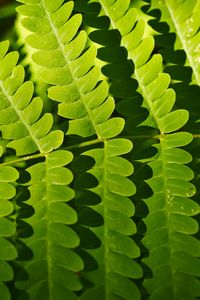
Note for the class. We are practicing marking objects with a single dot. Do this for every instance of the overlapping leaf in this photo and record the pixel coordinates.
(169, 224)
(102, 209)
(148, 68)
(183, 19)
(20, 120)
(169, 207)
(69, 64)
(53, 270)
(27, 133)
(8, 252)
(115, 257)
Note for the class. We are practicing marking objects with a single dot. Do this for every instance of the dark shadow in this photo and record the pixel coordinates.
(88, 217)
(129, 104)
(24, 230)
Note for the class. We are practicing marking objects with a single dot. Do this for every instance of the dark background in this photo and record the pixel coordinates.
(7, 18)
(4, 2)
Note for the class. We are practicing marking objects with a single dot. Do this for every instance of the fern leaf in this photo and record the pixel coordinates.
(169, 207)
(148, 68)
(54, 267)
(20, 119)
(183, 18)
(118, 251)
(170, 258)
(8, 252)
(27, 62)
(69, 65)
(83, 240)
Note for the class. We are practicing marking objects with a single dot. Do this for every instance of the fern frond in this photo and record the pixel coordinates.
(70, 66)
(115, 257)
(8, 252)
(183, 18)
(53, 270)
(169, 224)
(27, 62)
(169, 207)
(20, 119)
(148, 68)
(80, 239)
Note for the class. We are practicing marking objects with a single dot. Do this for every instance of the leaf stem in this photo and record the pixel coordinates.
(21, 159)
(39, 155)
(196, 136)
(85, 144)
(142, 136)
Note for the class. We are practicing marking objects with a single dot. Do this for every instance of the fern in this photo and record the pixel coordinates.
(8, 252)
(23, 128)
(76, 77)
(165, 170)
(54, 260)
(99, 153)
(110, 170)
(184, 20)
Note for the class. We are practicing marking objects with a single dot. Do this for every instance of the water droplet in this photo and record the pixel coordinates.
(197, 59)
(190, 21)
(197, 48)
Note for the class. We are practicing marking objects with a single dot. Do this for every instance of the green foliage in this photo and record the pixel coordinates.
(99, 149)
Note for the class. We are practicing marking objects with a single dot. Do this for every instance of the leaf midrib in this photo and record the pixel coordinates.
(136, 75)
(28, 128)
(184, 44)
(105, 220)
(61, 46)
(167, 211)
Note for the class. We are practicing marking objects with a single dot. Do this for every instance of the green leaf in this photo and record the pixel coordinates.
(70, 65)
(55, 263)
(117, 249)
(23, 125)
(109, 219)
(183, 19)
(174, 120)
